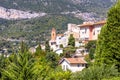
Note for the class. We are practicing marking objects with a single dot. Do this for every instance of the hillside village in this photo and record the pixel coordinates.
(72, 40)
(82, 33)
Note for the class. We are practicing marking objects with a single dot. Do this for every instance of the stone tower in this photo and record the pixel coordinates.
(53, 34)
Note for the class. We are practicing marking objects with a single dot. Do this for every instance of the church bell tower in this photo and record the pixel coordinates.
(53, 34)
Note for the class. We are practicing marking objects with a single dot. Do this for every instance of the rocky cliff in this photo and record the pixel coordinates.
(18, 14)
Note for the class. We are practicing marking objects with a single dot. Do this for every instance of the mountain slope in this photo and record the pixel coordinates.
(56, 6)
(34, 29)
(59, 14)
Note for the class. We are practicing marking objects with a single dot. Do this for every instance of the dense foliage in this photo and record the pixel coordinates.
(26, 66)
(23, 67)
(71, 41)
(108, 46)
(96, 73)
(34, 29)
(91, 46)
(47, 47)
(44, 66)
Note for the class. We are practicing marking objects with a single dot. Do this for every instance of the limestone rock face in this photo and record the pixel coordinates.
(18, 14)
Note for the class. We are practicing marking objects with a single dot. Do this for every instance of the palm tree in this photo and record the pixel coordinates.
(2, 63)
(24, 68)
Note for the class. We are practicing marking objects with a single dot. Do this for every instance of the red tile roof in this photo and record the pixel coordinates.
(75, 60)
(60, 34)
(100, 22)
(86, 24)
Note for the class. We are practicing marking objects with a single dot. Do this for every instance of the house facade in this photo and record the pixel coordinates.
(90, 30)
(62, 39)
(73, 64)
(86, 31)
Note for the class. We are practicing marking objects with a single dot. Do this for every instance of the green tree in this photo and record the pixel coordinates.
(91, 46)
(47, 47)
(108, 45)
(96, 73)
(59, 74)
(2, 63)
(23, 47)
(52, 59)
(71, 40)
(24, 68)
(39, 47)
(91, 53)
(39, 52)
(61, 45)
(69, 51)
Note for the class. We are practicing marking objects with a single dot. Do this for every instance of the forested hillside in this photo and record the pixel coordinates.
(34, 29)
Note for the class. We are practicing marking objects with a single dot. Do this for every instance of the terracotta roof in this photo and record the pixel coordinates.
(75, 60)
(60, 34)
(91, 23)
(84, 25)
(100, 22)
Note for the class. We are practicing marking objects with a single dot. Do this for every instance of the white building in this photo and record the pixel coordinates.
(57, 40)
(32, 50)
(59, 51)
(73, 64)
(73, 29)
(90, 30)
(62, 39)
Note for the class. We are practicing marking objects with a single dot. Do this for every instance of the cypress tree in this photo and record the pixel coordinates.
(71, 41)
(108, 45)
(23, 47)
(47, 47)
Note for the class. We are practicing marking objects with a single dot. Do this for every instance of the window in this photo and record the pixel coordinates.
(98, 31)
(85, 30)
(82, 32)
(82, 65)
(94, 33)
(63, 67)
(66, 66)
(52, 43)
(78, 65)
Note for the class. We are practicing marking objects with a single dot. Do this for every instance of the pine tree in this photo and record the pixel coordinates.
(71, 41)
(108, 46)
